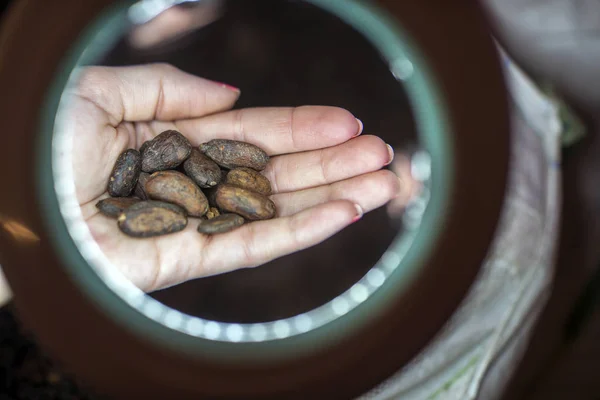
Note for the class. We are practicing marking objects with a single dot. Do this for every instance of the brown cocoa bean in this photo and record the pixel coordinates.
(212, 192)
(114, 206)
(175, 187)
(125, 174)
(221, 224)
(140, 188)
(250, 179)
(166, 151)
(203, 171)
(212, 213)
(152, 218)
(233, 154)
(248, 204)
(211, 196)
(144, 145)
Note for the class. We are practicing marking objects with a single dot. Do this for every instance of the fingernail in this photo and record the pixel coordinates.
(359, 213)
(226, 86)
(360, 127)
(391, 154)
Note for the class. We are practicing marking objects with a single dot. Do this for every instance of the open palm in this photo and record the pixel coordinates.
(324, 173)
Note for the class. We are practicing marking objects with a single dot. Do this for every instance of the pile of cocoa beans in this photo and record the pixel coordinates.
(156, 190)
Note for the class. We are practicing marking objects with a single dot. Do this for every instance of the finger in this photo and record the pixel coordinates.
(152, 92)
(260, 242)
(173, 259)
(277, 130)
(320, 167)
(369, 191)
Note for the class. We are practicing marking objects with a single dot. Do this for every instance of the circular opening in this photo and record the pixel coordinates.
(360, 297)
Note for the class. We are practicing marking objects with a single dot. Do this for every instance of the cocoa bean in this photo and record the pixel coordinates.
(176, 188)
(212, 213)
(114, 206)
(140, 188)
(248, 204)
(221, 224)
(166, 151)
(125, 173)
(203, 171)
(151, 218)
(232, 154)
(250, 179)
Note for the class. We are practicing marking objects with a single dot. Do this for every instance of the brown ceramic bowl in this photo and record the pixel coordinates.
(455, 84)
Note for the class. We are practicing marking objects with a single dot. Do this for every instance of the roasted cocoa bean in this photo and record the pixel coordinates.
(125, 174)
(221, 224)
(175, 187)
(152, 218)
(114, 206)
(166, 151)
(212, 213)
(234, 154)
(203, 171)
(212, 192)
(250, 179)
(144, 145)
(140, 188)
(248, 204)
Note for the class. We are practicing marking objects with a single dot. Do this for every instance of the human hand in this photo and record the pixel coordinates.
(324, 175)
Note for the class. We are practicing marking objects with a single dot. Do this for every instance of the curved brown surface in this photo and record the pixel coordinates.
(454, 39)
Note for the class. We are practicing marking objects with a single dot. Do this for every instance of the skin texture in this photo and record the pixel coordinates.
(176, 188)
(320, 168)
(125, 173)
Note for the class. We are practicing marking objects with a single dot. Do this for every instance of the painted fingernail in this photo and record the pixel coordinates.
(226, 86)
(359, 213)
(360, 127)
(391, 154)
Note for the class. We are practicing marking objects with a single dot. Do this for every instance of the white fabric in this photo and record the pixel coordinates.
(474, 355)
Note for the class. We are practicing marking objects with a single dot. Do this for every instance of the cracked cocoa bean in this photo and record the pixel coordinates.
(175, 187)
(114, 206)
(248, 204)
(221, 224)
(250, 179)
(232, 154)
(166, 151)
(152, 218)
(125, 173)
(213, 212)
(203, 171)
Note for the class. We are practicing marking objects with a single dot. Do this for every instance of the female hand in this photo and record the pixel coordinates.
(325, 175)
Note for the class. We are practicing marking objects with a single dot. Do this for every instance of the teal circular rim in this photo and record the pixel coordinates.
(151, 320)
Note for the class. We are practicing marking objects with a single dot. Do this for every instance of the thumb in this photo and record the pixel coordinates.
(152, 92)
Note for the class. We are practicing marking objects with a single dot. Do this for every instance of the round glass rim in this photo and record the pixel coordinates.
(150, 319)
